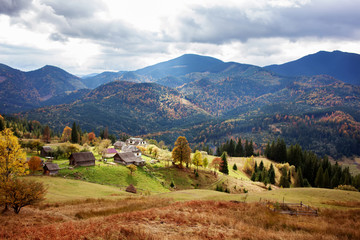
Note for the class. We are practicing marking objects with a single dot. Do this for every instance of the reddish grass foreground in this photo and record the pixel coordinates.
(151, 218)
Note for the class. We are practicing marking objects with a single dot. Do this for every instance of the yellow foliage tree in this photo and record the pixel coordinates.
(197, 159)
(12, 162)
(181, 152)
(132, 168)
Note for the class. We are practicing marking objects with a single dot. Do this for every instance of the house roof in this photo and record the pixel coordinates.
(52, 166)
(119, 143)
(47, 148)
(129, 157)
(130, 148)
(83, 156)
(111, 150)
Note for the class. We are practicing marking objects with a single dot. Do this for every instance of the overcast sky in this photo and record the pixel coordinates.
(87, 36)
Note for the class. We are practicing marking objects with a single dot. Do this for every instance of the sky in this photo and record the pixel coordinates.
(92, 36)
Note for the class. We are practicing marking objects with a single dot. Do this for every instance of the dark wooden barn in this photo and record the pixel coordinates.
(128, 158)
(45, 151)
(51, 169)
(82, 159)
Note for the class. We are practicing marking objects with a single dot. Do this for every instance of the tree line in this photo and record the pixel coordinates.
(236, 148)
(311, 170)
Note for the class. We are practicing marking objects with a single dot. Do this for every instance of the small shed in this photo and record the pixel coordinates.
(127, 158)
(131, 148)
(110, 152)
(45, 151)
(119, 144)
(82, 159)
(51, 169)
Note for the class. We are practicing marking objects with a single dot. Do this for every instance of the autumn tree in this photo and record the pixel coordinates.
(181, 152)
(132, 168)
(34, 164)
(20, 193)
(91, 137)
(12, 160)
(216, 163)
(205, 162)
(197, 159)
(47, 134)
(66, 134)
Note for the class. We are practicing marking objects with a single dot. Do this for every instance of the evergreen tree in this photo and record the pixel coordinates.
(218, 151)
(224, 164)
(235, 167)
(46, 134)
(253, 176)
(231, 148)
(2, 123)
(246, 148)
(299, 181)
(255, 167)
(319, 177)
(326, 179)
(74, 134)
(267, 150)
(289, 177)
(239, 150)
(271, 174)
(261, 166)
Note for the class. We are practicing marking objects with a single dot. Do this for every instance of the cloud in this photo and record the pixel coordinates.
(14, 7)
(221, 24)
(58, 37)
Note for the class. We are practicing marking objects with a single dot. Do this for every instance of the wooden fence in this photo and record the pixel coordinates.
(292, 208)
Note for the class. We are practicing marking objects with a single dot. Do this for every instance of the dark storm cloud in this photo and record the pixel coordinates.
(317, 19)
(13, 7)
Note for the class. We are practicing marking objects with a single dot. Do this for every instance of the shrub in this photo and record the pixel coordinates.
(347, 188)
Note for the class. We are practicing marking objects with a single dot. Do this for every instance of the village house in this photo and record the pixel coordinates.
(46, 151)
(119, 144)
(133, 149)
(135, 141)
(128, 158)
(51, 169)
(82, 159)
(109, 152)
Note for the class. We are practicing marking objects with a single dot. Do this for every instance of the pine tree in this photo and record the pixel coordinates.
(235, 167)
(326, 179)
(224, 164)
(255, 167)
(231, 148)
(319, 177)
(271, 174)
(299, 181)
(74, 134)
(261, 166)
(239, 150)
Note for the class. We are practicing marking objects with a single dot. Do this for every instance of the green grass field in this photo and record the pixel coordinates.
(60, 189)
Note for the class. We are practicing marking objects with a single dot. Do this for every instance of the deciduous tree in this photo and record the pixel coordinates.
(47, 134)
(34, 164)
(197, 159)
(216, 163)
(66, 134)
(132, 168)
(20, 193)
(181, 152)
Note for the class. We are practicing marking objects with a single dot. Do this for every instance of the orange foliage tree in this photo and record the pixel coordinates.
(181, 152)
(34, 164)
(66, 134)
(91, 136)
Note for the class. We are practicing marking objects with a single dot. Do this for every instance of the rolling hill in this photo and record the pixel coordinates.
(341, 65)
(21, 91)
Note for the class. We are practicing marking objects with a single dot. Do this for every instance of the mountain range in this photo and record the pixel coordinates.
(203, 98)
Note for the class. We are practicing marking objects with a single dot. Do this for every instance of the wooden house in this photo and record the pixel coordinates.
(82, 159)
(119, 144)
(133, 149)
(127, 158)
(51, 169)
(45, 151)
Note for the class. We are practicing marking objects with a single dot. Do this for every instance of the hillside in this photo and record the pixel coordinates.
(341, 65)
(122, 106)
(21, 91)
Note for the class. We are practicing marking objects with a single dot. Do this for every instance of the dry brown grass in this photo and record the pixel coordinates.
(162, 219)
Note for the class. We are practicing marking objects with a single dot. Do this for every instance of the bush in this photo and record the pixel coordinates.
(347, 188)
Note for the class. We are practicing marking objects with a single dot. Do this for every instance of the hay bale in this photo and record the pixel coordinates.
(131, 189)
